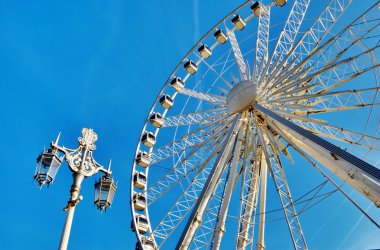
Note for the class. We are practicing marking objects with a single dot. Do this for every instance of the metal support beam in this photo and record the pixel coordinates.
(261, 55)
(242, 67)
(359, 174)
(220, 225)
(199, 208)
(263, 195)
(250, 206)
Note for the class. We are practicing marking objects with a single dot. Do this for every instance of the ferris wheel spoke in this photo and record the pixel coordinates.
(219, 67)
(220, 225)
(249, 199)
(263, 188)
(310, 87)
(349, 78)
(358, 29)
(220, 75)
(203, 237)
(194, 118)
(248, 149)
(195, 218)
(326, 110)
(211, 98)
(292, 70)
(186, 201)
(183, 169)
(190, 140)
(344, 73)
(348, 67)
(331, 101)
(324, 55)
(315, 34)
(352, 35)
(261, 54)
(269, 135)
(288, 35)
(342, 102)
(181, 207)
(242, 67)
(359, 174)
(177, 147)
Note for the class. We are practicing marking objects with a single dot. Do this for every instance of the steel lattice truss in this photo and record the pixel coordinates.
(255, 95)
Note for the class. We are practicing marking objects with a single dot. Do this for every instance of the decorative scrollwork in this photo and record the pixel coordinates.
(86, 165)
(88, 138)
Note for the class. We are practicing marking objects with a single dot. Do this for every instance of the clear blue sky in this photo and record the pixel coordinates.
(100, 64)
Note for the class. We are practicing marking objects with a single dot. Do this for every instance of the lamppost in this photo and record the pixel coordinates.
(82, 164)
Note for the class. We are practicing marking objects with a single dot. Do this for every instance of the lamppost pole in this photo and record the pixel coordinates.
(70, 208)
(82, 164)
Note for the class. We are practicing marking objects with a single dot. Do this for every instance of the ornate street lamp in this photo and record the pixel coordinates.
(48, 163)
(104, 192)
(82, 164)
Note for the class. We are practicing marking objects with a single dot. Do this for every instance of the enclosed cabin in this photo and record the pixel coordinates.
(145, 244)
(280, 3)
(143, 159)
(220, 36)
(238, 22)
(139, 201)
(139, 180)
(258, 9)
(148, 139)
(166, 101)
(177, 84)
(204, 51)
(48, 163)
(142, 224)
(190, 67)
(156, 120)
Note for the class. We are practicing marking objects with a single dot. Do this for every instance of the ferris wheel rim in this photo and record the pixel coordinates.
(161, 92)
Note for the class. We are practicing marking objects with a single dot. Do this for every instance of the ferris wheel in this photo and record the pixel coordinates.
(274, 110)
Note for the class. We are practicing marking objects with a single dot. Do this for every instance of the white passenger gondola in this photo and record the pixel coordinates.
(257, 9)
(166, 101)
(238, 22)
(139, 201)
(220, 36)
(156, 120)
(280, 3)
(146, 244)
(177, 84)
(191, 67)
(142, 224)
(139, 180)
(148, 139)
(204, 51)
(143, 159)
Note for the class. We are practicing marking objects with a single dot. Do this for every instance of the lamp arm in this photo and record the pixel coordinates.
(62, 149)
(102, 169)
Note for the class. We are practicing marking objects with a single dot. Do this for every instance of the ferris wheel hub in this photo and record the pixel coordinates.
(242, 96)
